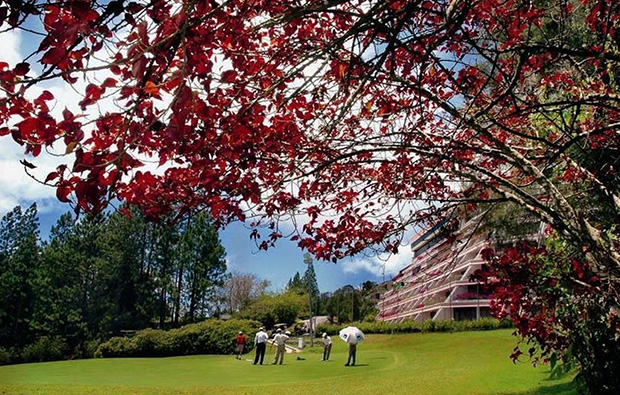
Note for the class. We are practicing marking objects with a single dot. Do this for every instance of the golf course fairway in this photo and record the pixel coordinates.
(429, 363)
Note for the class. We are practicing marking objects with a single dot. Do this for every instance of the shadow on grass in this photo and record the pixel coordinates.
(558, 389)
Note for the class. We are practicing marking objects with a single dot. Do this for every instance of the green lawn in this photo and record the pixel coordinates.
(434, 363)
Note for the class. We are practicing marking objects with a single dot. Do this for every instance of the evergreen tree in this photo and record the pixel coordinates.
(19, 260)
(348, 304)
(59, 287)
(312, 288)
(297, 284)
(202, 258)
(166, 237)
(103, 274)
(127, 244)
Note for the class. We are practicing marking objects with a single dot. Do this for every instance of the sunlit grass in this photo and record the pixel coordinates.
(434, 363)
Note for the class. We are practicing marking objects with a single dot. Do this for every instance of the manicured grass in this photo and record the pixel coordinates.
(432, 363)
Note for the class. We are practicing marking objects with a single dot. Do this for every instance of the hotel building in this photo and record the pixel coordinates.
(437, 285)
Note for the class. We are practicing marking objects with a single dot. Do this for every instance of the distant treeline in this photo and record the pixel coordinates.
(410, 326)
(101, 276)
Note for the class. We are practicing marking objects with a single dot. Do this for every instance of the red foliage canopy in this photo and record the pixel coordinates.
(365, 116)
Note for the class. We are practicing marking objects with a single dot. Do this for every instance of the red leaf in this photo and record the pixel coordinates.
(27, 126)
(63, 191)
(53, 56)
(109, 83)
(46, 96)
(52, 176)
(67, 115)
(134, 7)
(17, 136)
(22, 69)
(93, 91)
(229, 76)
(34, 149)
(137, 69)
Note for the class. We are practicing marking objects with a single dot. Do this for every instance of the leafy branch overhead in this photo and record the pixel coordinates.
(371, 111)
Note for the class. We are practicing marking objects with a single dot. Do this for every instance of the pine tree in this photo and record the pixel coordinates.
(313, 291)
(297, 284)
(205, 267)
(58, 301)
(19, 261)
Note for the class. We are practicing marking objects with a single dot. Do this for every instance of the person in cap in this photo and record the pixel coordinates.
(280, 340)
(260, 342)
(327, 346)
(240, 344)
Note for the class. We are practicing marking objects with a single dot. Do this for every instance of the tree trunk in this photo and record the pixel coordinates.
(177, 302)
(162, 307)
(595, 346)
(310, 326)
(192, 301)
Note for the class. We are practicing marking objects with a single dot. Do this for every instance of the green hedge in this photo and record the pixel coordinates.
(7, 356)
(414, 326)
(46, 348)
(207, 337)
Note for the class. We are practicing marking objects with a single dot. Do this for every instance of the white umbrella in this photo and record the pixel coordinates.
(351, 335)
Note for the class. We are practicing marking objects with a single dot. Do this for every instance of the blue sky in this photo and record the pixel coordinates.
(277, 265)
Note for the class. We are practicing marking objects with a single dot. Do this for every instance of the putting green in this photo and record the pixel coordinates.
(458, 363)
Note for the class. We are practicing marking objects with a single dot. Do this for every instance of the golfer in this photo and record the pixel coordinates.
(260, 342)
(352, 340)
(240, 344)
(327, 346)
(279, 339)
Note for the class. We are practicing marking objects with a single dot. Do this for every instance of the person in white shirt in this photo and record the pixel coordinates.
(327, 346)
(352, 340)
(260, 342)
(279, 339)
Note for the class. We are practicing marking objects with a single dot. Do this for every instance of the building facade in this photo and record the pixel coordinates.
(437, 284)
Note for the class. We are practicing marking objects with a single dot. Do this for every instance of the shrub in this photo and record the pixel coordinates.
(45, 348)
(88, 349)
(116, 347)
(207, 337)
(150, 343)
(271, 309)
(8, 356)
(382, 327)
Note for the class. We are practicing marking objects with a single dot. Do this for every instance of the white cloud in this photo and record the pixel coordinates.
(11, 42)
(375, 265)
(16, 187)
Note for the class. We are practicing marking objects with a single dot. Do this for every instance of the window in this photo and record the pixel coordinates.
(465, 313)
